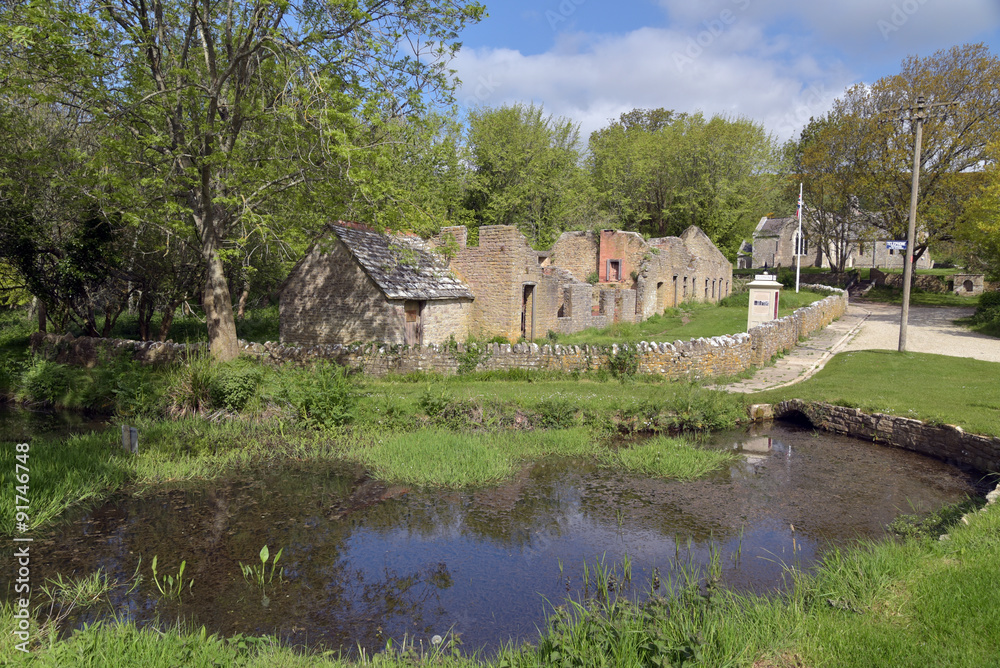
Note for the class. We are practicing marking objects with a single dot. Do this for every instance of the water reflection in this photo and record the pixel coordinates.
(366, 561)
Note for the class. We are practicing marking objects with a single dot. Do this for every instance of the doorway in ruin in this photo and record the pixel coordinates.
(528, 312)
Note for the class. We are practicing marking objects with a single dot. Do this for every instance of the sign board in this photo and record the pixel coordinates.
(895, 245)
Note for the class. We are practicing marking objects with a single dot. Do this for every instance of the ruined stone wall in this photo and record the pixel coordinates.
(722, 355)
(942, 441)
(575, 252)
(711, 266)
(328, 298)
(492, 271)
(627, 247)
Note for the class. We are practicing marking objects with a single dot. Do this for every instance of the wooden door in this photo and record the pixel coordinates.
(414, 331)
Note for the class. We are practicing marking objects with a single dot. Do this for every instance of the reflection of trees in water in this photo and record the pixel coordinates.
(324, 599)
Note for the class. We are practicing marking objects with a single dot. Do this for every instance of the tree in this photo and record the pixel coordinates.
(981, 231)
(659, 172)
(871, 153)
(525, 170)
(824, 159)
(210, 111)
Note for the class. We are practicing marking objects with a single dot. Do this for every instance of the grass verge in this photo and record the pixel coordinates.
(935, 388)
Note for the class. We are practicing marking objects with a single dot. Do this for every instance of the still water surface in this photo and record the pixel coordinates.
(365, 561)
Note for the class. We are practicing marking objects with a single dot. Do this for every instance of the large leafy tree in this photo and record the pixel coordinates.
(212, 111)
(659, 172)
(860, 147)
(981, 229)
(525, 170)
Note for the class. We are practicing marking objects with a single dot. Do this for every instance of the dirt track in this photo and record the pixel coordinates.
(929, 330)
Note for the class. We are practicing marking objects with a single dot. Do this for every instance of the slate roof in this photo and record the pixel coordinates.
(403, 267)
(772, 227)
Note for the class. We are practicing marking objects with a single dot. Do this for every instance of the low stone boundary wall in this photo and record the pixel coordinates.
(716, 356)
(941, 441)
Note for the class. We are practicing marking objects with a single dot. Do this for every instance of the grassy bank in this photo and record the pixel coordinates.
(914, 602)
(951, 390)
(690, 320)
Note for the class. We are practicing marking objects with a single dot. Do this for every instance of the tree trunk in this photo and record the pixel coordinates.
(218, 305)
(42, 316)
(166, 320)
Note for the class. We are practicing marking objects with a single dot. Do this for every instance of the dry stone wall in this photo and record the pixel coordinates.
(721, 355)
(942, 441)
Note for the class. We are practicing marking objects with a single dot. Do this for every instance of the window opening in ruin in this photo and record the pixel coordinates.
(968, 286)
(684, 294)
(713, 288)
(660, 305)
(614, 272)
(706, 288)
(675, 292)
(413, 331)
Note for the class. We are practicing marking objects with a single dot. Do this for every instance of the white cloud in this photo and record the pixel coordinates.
(593, 78)
(776, 61)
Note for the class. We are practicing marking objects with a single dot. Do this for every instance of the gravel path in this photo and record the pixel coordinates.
(872, 326)
(930, 329)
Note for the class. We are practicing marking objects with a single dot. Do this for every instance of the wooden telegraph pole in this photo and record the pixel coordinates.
(916, 115)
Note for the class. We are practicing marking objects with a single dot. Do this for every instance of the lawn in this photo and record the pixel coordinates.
(952, 390)
(690, 320)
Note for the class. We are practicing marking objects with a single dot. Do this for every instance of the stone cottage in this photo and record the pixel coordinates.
(362, 285)
(774, 246)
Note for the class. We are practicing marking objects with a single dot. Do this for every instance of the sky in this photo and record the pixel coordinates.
(778, 62)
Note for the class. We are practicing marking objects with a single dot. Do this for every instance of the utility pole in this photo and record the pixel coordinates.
(916, 116)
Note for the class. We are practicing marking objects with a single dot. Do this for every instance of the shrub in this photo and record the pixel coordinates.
(324, 395)
(45, 382)
(555, 413)
(234, 384)
(592, 278)
(625, 363)
(988, 308)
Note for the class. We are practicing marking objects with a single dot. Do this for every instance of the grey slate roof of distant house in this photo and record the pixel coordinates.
(402, 267)
(772, 227)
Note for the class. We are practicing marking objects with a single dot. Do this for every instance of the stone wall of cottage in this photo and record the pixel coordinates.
(443, 319)
(722, 355)
(328, 298)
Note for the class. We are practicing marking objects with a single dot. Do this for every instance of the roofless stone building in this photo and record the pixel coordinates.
(356, 284)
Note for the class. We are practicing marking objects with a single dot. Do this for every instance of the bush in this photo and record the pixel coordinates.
(324, 395)
(592, 278)
(45, 382)
(625, 363)
(988, 308)
(555, 414)
(234, 384)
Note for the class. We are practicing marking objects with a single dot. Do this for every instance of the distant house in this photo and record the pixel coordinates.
(774, 245)
(360, 285)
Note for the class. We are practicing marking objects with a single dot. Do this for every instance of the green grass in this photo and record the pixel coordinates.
(951, 390)
(435, 457)
(691, 320)
(664, 457)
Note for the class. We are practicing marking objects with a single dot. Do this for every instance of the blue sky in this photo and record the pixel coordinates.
(776, 61)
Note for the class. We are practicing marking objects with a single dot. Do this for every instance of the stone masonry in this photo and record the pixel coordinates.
(723, 355)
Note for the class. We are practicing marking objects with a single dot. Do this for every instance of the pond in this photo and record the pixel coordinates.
(364, 561)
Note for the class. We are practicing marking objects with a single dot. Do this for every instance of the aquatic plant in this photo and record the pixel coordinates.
(259, 575)
(171, 587)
